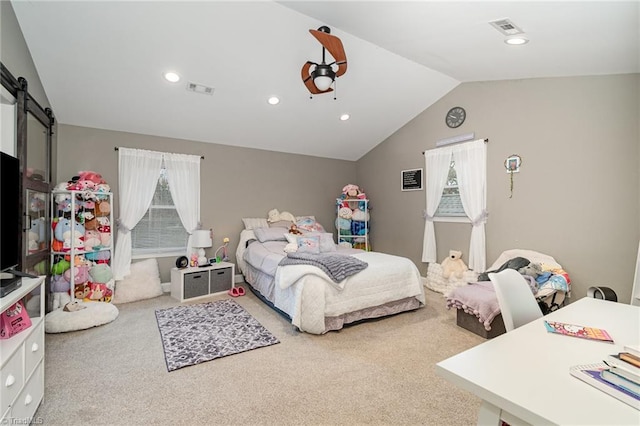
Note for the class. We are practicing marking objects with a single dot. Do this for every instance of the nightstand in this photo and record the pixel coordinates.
(192, 283)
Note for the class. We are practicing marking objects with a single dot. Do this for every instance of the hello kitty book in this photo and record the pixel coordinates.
(591, 333)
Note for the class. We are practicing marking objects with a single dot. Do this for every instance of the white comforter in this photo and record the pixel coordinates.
(304, 292)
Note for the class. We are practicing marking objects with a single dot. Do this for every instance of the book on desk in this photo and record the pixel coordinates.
(615, 376)
(581, 331)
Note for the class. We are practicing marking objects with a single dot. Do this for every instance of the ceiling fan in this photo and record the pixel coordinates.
(320, 78)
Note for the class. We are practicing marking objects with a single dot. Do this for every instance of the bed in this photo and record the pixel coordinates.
(476, 302)
(307, 295)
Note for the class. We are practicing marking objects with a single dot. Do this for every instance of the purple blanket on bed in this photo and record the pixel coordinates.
(480, 299)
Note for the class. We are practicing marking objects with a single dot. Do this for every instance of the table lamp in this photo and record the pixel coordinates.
(201, 239)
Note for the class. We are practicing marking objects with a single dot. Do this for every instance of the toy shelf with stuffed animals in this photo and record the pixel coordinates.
(81, 246)
(352, 222)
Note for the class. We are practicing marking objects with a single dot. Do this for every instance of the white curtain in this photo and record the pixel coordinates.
(183, 175)
(471, 168)
(138, 173)
(437, 163)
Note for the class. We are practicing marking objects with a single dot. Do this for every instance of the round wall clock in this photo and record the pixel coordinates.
(455, 117)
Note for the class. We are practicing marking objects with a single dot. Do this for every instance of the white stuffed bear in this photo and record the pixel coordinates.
(453, 265)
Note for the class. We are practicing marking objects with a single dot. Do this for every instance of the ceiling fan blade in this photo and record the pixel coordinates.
(308, 81)
(334, 45)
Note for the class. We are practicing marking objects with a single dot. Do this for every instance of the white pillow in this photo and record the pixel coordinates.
(142, 283)
(255, 222)
(291, 238)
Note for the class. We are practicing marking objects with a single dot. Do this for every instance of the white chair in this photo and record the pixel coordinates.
(517, 303)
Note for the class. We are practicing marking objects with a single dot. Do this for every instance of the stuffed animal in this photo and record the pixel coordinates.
(294, 229)
(92, 240)
(104, 256)
(345, 213)
(275, 216)
(60, 291)
(104, 228)
(532, 270)
(91, 176)
(101, 273)
(453, 265)
(103, 208)
(63, 232)
(352, 191)
(60, 267)
(80, 274)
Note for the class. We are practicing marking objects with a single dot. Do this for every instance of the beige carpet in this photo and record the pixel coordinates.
(380, 372)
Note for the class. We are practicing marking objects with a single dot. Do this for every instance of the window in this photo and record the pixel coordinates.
(160, 231)
(450, 204)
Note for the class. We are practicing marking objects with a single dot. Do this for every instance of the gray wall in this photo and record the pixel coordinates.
(235, 182)
(15, 54)
(576, 197)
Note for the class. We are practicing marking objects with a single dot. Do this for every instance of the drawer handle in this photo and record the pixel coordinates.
(220, 273)
(34, 347)
(10, 380)
(28, 399)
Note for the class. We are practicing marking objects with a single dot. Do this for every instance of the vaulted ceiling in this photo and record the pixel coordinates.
(102, 62)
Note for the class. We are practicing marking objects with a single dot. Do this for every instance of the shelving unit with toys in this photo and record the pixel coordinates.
(352, 218)
(81, 245)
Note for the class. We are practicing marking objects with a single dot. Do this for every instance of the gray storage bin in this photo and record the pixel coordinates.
(196, 284)
(220, 280)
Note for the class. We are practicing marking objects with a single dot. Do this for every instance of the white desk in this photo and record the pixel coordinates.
(523, 375)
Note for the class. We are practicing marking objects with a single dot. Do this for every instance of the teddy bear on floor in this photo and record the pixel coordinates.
(453, 265)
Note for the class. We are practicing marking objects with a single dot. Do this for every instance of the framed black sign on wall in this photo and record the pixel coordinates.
(411, 180)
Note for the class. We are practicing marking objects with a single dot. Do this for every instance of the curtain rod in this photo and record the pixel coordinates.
(486, 140)
(115, 148)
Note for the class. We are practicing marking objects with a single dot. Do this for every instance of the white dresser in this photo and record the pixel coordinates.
(22, 357)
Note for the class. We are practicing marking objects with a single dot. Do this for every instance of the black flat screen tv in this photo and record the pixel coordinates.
(10, 226)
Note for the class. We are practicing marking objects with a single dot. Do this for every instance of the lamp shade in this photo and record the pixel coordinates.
(201, 238)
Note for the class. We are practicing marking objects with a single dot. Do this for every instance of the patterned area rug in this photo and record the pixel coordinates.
(192, 334)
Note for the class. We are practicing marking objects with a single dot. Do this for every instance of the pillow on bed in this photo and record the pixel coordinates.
(326, 241)
(309, 224)
(280, 224)
(255, 222)
(308, 244)
(269, 234)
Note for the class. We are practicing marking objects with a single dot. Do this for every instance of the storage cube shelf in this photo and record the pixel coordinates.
(193, 283)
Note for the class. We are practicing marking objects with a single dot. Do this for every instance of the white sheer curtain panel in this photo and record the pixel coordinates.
(437, 163)
(471, 169)
(138, 173)
(183, 175)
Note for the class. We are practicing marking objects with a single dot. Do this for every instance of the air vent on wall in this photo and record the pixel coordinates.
(506, 27)
(200, 88)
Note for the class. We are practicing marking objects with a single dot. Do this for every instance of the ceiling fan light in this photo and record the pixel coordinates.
(323, 77)
(323, 82)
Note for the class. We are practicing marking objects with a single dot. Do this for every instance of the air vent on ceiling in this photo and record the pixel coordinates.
(200, 88)
(506, 27)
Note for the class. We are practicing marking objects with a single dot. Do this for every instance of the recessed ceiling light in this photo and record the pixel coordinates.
(345, 117)
(172, 77)
(516, 40)
(274, 100)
